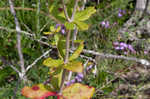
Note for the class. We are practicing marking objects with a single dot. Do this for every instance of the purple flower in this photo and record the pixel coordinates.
(123, 44)
(121, 12)
(63, 31)
(80, 75)
(122, 48)
(115, 43)
(78, 79)
(57, 25)
(117, 48)
(71, 82)
(145, 52)
(119, 15)
(131, 48)
(105, 24)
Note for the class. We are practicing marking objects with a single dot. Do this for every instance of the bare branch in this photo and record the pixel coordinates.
(18, 37)
(65, 11)
(43, 55)
(6, 62)
(142, 61)
(85, 51)
(74, 10)
(13, 30)
(37, 16)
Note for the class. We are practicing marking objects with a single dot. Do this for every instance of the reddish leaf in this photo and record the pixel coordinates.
(37, 92)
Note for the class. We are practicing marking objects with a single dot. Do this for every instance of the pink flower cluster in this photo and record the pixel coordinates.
(121, 46)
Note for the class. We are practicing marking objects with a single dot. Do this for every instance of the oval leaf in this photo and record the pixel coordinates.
(77, 52)
(37, 92)
(85, 14)
(74, 66)
(55, 78)
(61, 47)
(81, 25)
(69, 26)
(52, 62)
(78, 91)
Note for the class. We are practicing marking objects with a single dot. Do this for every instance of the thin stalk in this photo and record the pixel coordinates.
(66, 60)
(37, 16)
(67, 40)
(65, 11)
(18, 29)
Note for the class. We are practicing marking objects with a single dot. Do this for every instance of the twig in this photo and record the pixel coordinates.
(83, 6)
(74, 10)
(37, 17)
(43, 55)
(28, 29)
(29, 35)
(65, 11)
(44, 27)
(65, 61)
(142, 61)
(18, 39)
(14, 68)
(13, 30)
(74, 37)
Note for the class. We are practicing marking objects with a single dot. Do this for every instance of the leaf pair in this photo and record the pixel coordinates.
(71, 66)
(74, 91)
(79, 19)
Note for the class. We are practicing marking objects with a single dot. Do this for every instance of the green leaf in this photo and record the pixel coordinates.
(85, 14)
(77, 52)
(49, 62)
(54, 11)
(55, 78)
(62, 14)
(78, 91)
(69, 26)
(48, 33)
(81, 25)
(74, 66)
(61, 46)
(52, 28)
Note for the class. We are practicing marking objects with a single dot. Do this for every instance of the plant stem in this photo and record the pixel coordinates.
(66, 60)
(18, 29)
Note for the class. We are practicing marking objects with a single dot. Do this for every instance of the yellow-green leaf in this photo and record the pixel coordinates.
(81, 25)
(77, 52)
(78, 91)
(58, 29)
(55, 78)
(61, 47)
(49, 62)
(85, 14)
(69, 26)
(48, 33)
(52, 28)
(74, 66)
